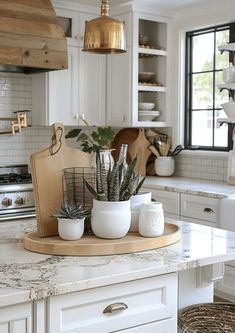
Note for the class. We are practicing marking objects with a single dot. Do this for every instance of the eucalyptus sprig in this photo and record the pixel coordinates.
(93, 140)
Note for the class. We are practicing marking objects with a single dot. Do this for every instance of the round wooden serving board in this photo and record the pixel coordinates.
(90, 245)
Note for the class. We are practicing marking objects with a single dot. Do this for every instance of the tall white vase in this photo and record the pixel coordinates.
(136, 202)
(110, 219)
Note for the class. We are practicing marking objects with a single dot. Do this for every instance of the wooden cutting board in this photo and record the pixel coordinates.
(47, 171)
(124, 136)
(137, 146)
(90, 245)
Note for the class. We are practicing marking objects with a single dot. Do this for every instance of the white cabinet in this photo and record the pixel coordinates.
(16, 318)
(170, 202)
(55, 94)
(199, 209)
(119, 84)
(134, 306)
(124, 90)
(151, 57)
(78, 92)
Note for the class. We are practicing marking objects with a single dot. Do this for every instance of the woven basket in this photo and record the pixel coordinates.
(208, 318)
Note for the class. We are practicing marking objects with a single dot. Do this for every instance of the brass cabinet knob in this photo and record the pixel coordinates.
(115, 307)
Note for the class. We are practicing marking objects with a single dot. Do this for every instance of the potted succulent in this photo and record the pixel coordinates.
(111, 214)
(94, 140)
(71, 221)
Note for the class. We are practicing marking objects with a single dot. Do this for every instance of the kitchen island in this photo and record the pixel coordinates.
(68, 292)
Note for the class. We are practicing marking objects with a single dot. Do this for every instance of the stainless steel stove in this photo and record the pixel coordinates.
(16, 193)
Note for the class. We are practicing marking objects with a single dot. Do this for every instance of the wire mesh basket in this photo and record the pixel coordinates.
(208, 318)
(75, 191)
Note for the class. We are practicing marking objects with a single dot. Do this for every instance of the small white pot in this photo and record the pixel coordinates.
(110, 219)
(151, 220)
(164, 166)
(136, 202)
(70, 229)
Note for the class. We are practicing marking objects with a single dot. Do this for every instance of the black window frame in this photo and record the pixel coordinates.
(188, 86)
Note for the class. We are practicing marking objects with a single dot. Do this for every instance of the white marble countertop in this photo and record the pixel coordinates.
(25, 275)
(210, 189)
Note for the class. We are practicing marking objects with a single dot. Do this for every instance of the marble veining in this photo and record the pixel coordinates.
(25, 275)
(206, 188)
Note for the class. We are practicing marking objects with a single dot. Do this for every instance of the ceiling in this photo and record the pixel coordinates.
(170, 5)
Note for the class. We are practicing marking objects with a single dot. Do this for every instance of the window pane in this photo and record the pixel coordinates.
(220, 96)
(202, 125)
(221, 60)
(221, 137)
(203, 51)
(202, 91)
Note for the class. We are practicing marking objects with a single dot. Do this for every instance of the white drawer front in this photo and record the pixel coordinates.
(199, 207)
(147, 300)
(163, 326)
(169, 200)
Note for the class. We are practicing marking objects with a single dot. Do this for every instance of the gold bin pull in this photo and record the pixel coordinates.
(115, 307)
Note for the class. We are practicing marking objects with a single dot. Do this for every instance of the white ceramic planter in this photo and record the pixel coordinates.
(70, 229)
(136, 202)
(110, 219)
(164, 166)
(151, 220)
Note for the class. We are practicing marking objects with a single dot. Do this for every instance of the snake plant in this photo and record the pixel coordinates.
(116, 184)
(71, 212)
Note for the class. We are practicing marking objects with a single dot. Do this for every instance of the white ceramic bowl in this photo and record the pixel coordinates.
(229, 109)
(146, 106)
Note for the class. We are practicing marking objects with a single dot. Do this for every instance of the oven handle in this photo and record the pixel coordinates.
(8, 217)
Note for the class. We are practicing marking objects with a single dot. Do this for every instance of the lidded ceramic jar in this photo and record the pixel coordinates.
(151, 219)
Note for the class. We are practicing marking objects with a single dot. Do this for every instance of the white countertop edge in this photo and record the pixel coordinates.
(14, 296)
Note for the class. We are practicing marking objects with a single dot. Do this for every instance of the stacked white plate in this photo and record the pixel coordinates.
(148, 115)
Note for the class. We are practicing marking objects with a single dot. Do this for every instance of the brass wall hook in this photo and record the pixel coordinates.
(16, 123)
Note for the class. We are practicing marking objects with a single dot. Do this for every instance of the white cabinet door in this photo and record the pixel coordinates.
(63, 92)
(91, 72)
(16, 318)
(119, 92)
(55, 94)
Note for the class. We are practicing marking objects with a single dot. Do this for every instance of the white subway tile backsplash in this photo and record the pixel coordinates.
(211, 167)
(16, 94)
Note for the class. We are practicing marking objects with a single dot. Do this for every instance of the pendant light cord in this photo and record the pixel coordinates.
(105, 8)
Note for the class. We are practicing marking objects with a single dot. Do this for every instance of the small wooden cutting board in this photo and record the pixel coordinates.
(47, 171)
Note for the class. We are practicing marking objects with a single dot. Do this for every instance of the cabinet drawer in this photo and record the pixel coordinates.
(169, 200)
(147, 300)
(199, 207)
(163, 326)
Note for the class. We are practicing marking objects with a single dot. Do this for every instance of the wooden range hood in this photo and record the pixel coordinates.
(31, 38)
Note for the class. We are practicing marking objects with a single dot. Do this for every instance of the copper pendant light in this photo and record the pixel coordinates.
(104, 35)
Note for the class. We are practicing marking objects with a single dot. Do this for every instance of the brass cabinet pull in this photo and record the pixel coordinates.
(208, 210)
(115, 307)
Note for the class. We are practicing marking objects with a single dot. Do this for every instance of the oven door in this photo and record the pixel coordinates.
(17, 213)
